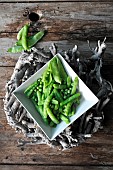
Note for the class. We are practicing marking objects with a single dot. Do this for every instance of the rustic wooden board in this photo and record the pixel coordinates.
(34, 167)
(86, 19)
(5, 74)
(63, 43)
(97, 150)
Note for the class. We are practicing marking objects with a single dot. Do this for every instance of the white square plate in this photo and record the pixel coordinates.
(88, 99)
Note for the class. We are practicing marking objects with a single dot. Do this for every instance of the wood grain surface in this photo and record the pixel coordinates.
(85, 19)
(68, 23)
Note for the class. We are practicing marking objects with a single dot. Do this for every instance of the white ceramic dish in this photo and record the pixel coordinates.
(87, 100)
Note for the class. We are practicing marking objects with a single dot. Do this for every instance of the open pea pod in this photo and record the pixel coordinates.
(26, 42)
(62, 70)
(35, 38)
(53, 66)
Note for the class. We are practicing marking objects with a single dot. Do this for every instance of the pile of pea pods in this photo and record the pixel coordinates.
(54, 94)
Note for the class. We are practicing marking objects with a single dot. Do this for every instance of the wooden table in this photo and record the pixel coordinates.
(68, 23)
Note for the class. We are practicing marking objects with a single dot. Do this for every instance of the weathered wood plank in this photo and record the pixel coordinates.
(63, 41)
(86, 19)
(34, 167)
(5, 74)
(97, 150)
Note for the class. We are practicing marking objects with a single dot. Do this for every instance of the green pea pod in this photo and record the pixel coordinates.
(58, 95)
(68, 81)
(35, 38)
(51, 115)
(70, 99)
(59, 86)
(74, 85)
(31, 86)
(19, 43)
(72, 112)
(67, 109)
(46, 78)
(29, 93)
(65, 119)
(40, 111)
(24, 37)
(19, 35)
(62, 70)
(39, 96)
(32, 40)
(46, 103)
(15, 49)
(53, 66)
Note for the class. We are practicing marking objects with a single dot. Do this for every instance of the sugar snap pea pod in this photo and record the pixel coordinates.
(59, 86)
(64, 118)
(31, 86)
(24, 37)
(58, 95)
(74, 85)
(30, 89)
(29, 93)
(19, 35)
(15, 49)
(62, 70)
(40, 111)
(72, 112)
(35, 38)
(46, 78)
(39, 96)
(67, 109)
(19, 43)
(51, 115)
(55, 71)
(68, 81)
(48, 90)
(32, 40)
(46, 103)
(71, 98)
